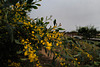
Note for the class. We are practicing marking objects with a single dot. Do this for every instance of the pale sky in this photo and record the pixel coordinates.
(70, 13)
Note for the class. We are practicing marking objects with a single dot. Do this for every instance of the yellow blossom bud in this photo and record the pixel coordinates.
(78, 62)
(32, 32)
(49, 48)
(26, 47)
(41, 41)
(0, 11)
(25, 53)
(57, 44)
(9, 60)
(54, 26)
(60, 42)
(49, 44)
(76, 59)
(55, 54)
(31, 25)
(37, 65)
(25, 3)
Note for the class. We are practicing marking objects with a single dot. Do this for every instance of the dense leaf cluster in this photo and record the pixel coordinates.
(87, 32)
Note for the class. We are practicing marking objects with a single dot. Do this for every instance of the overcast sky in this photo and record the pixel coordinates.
(70, 13)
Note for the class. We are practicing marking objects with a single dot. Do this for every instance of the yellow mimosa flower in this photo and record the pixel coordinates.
(25, 53)
(49, 48)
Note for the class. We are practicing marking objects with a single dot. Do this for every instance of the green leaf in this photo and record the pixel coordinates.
(96, 63)
(19, 52)
(11, 2)
(10, 32)
(29, 1)
(69, 57)
(48, 54)
(38, 4)
(57, 30)
(61, 29)
(42, 18)
(38, 37)
(54, 22)
(35, 7)
(23, 59)
(76, 55)
(40, 0)
(17, 41)
(33, 2)
(45, 50)
(47, 23)
(19, 23)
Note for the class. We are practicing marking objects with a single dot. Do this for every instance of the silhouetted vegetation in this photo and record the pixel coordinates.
(87, 31)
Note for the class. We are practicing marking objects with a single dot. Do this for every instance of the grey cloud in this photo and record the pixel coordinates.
(70, 13)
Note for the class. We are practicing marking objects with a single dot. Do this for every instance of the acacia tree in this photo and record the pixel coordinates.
(87, 31)
(21, 38)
